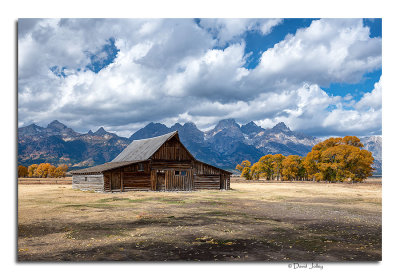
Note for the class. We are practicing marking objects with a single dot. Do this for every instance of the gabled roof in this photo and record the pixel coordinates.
(137, 151)
(143, 149)
(103, 167)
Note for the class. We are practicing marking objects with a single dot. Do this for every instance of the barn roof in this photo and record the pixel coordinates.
(104, 167)
(143, 149)
(137, 151)
(198, 161)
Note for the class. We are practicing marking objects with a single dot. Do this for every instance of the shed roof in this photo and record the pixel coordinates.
(104, 167)
(143, 149)
(198, 161)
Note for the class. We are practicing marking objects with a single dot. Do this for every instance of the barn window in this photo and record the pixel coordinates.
(140, 167)
(176, 172)
(183, 173)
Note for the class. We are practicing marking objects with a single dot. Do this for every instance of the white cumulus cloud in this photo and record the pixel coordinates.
(169, 70)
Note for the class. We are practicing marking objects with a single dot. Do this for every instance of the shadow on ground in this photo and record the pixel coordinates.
(308, 241)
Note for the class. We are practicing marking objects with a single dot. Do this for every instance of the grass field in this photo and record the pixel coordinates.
(258, 221)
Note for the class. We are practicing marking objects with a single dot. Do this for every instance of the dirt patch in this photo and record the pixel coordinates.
(252, 222)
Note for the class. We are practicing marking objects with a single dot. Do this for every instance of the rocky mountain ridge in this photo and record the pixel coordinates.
(226, 145)
(374, 144)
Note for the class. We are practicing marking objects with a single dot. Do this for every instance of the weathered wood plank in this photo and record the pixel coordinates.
(179, 182)
(207, 182)
(88, 182)
(172, 150)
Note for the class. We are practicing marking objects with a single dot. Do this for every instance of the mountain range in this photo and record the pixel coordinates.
(226, 145)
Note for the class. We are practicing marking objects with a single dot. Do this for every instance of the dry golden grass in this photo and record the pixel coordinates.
(256, 221)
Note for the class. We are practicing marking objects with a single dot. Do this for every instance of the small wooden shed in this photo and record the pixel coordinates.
(155, 164)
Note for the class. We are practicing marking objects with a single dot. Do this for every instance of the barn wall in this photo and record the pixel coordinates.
(135, 168)
(107, 182)
(131, 177)
(134, 178)
(209, 182)
(172, 150)
(173, 182)
(136, 181)
(153, 179)
(201, 168)
(209, 177)
(225, 181)
(179, 182)
(171, 165)
(93, 182)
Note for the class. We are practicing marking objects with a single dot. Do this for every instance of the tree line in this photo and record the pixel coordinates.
(333, 160)
(42, 170)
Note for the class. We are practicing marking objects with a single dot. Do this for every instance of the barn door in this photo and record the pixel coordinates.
(115, 181)
(160, 186)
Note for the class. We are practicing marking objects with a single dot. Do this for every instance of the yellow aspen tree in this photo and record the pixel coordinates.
(255, 171)
(244, 167)
(339, 159)
(277, 165)
(32, 170)
(291, 166)
(266, 164)
(22, 171)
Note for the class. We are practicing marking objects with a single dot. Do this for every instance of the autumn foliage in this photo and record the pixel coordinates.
(268, 167)
(244, 167)
(42, 170)
(22, 171)
(339, 159)
(293, 168)
(333, 160)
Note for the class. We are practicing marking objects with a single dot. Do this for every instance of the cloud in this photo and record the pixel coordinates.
(217, 75)
(324, 53)
(307, 109)
(226, 30)
(316, 113)
(371, 100)
(328, 51)
(168, 70)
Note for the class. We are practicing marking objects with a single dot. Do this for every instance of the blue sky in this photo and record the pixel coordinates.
(320, 76)
(356, 90)
(104, 57)
(256, 43)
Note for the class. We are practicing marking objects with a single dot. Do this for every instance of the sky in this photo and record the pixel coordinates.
(321, 77)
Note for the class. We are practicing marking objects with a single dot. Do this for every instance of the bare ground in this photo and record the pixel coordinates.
(259, 221)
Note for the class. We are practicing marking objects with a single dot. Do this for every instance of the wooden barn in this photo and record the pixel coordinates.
(155, 164)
